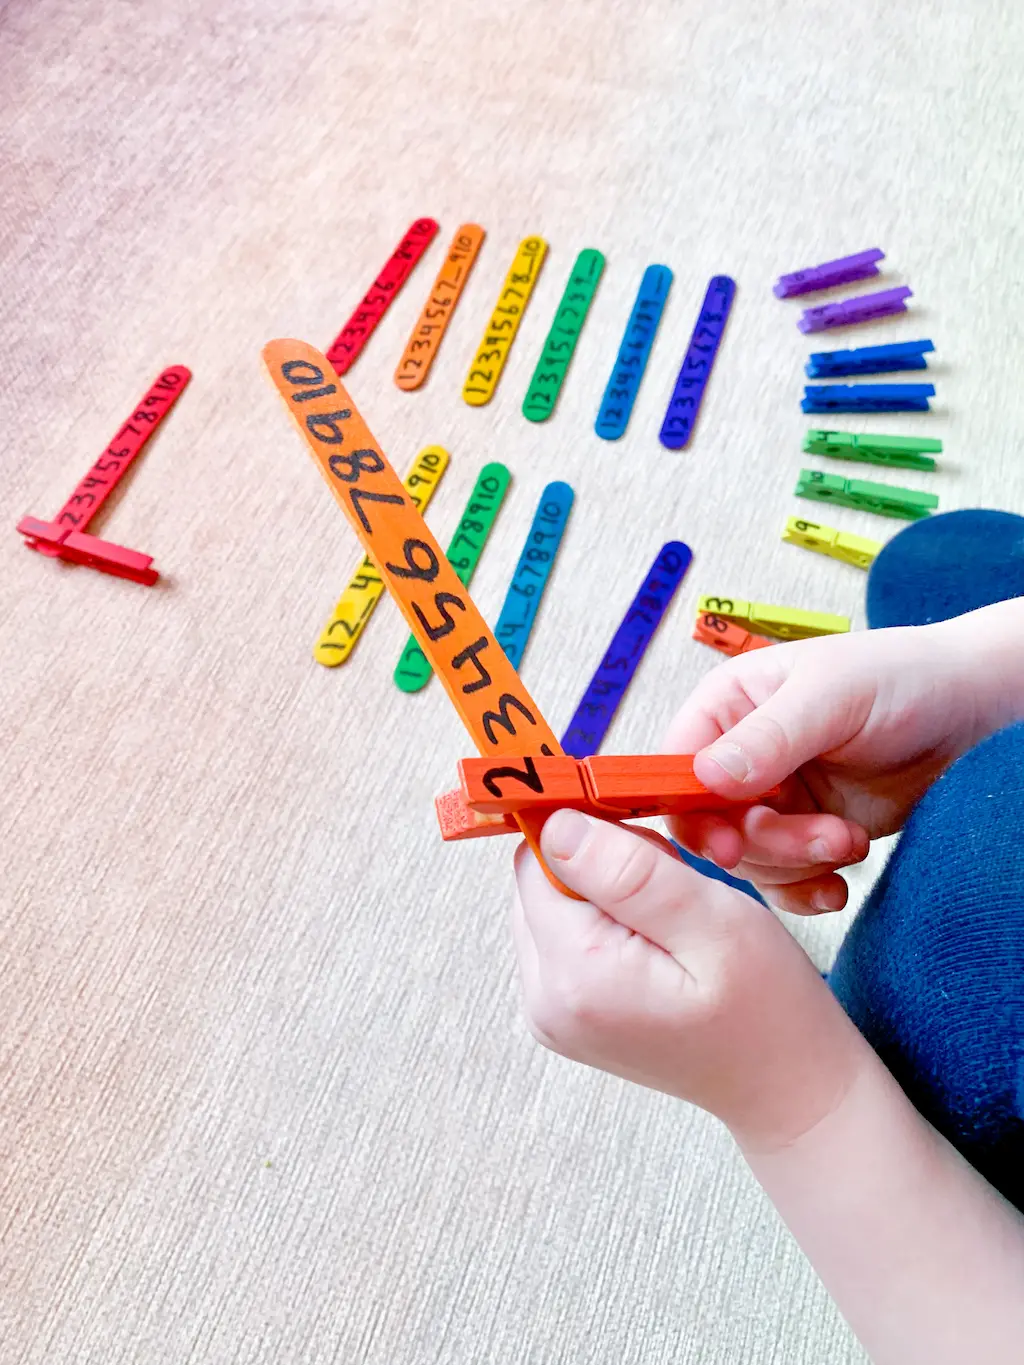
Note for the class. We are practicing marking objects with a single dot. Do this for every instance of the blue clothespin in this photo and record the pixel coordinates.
(902, 355)
(867, 397)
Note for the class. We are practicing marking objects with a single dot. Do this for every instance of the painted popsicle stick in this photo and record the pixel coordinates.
(346, 346)
(560, 343)
(607, 687)
(92, 491)
(533, 570)
(683, 406)
(634, 351)
(366, 587)
(413, 669)
(502, 718)
(485, 371)
(432, 323)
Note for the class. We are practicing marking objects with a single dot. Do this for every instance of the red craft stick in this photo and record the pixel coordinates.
(64, 538)
(360, 327)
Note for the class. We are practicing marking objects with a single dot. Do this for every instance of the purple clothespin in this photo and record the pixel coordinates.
(844, 271)
(864, 308)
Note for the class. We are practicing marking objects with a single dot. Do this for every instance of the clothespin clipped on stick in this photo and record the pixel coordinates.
(786, 623)
(65, 537)
(483, 686)
(727, 638)
(614, 787)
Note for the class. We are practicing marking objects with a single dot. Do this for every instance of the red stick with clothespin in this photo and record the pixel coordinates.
(65, 537)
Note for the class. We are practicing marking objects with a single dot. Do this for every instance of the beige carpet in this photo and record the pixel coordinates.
(265, 1095)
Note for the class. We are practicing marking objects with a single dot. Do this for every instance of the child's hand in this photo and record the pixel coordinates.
(677, 982)
(855, 728)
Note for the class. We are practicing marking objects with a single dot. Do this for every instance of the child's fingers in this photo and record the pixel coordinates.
(636, 883)
(761, 837)
(777, 737)
(554, 923)
(786, 841)
(708, 836)
(815, 896)
(723, 698)
(526, 949)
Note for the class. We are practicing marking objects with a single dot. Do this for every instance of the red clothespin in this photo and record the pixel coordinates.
(65, 537)
(618, 787)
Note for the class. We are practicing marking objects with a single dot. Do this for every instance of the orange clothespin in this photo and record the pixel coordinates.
(725, 637)
(611, 786)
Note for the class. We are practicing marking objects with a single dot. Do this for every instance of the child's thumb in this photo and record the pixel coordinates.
(793, 726)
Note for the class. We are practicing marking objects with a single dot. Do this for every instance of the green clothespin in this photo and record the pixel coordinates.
(902, 452)
(862, 496)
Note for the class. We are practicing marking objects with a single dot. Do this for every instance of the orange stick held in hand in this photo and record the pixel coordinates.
(500, 715)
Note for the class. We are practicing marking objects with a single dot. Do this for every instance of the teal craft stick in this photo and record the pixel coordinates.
(533, 570)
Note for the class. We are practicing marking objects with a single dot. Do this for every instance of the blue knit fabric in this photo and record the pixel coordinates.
(932, 969)
(944, 566)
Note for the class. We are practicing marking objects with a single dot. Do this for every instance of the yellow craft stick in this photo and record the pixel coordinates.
(490, 359)
(826, 540)
(355, 605)
(785, 623)
(502, 718)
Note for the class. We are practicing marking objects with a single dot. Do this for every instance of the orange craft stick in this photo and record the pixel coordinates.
(502, 718)
(427, 335)
(725, 637)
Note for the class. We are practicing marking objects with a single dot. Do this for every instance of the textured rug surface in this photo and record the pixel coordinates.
(265, 1095)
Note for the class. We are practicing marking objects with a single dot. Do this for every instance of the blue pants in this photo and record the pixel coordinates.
(932, 969)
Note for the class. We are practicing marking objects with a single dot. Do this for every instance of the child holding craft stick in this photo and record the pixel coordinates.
(882, 1111)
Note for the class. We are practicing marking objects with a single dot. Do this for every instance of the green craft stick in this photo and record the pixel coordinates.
(899, 452)
(560, 343)
(413, 671)
(879, 498)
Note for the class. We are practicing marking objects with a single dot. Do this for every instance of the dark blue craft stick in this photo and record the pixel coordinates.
(533, 570)
(867, 397)
(607, 687)
(634, 350)
(677, 428)
(902, 355)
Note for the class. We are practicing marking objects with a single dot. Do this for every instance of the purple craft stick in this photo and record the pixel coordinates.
(863, 308)
(815, 277)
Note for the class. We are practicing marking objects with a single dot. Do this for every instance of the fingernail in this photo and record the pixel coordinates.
(732, 761)
(818, 851)
(820, 900)
(564, 832)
